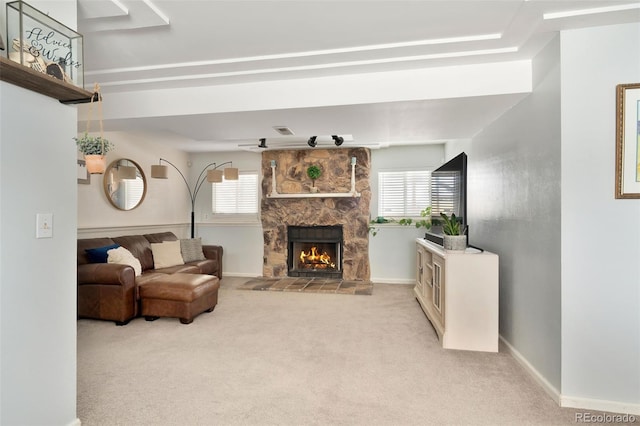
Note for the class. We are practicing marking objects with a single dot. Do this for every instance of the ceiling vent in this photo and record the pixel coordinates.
(283, 130)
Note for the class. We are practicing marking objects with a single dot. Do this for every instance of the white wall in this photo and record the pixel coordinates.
(600, 235)
(514, 210)
(166, 203)
(392, 250)
(242, 243)
(37, 276)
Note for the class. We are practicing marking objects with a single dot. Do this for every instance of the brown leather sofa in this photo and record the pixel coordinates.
(111, 291)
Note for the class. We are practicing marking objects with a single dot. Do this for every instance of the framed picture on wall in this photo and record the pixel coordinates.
(83, 174)
(628, 140)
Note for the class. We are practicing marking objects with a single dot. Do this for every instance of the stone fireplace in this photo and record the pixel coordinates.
(350, 214)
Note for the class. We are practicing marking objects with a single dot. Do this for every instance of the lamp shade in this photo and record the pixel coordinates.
(214, 176)
(231, 173)
(127, 172)
(158, 171)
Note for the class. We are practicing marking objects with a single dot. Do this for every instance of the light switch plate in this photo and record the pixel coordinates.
(44, 225)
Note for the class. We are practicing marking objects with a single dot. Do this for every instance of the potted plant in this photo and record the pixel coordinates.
(422, 223)
(405, 221)
(94, 150)
(314, 173)
(454, 238)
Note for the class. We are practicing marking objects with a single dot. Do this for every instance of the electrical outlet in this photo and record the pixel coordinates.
(44, 225)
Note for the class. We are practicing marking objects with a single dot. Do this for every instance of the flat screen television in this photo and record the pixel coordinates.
(449, 195)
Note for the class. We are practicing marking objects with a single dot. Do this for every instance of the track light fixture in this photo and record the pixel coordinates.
(263, 143)
(312, 141)
(337, 139)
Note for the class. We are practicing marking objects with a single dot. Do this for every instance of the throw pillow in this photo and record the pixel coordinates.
(99, 254)
(123, 256)
(191, 250)
(166, 254)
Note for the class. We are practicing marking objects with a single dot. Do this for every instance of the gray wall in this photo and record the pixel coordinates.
(37, 276)
(600, 235)
(514, 211)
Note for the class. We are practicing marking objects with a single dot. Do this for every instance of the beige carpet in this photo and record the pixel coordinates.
(288, 358)
(309, 285)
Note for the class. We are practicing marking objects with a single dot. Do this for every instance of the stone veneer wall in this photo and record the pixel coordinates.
(351, 212)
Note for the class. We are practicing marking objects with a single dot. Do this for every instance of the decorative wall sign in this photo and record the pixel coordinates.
(628, 140)
(44, 44)
(83, 174)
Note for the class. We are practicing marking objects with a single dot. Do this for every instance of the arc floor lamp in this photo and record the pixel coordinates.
(213, 175)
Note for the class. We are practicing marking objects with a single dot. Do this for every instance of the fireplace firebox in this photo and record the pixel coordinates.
(315, 251)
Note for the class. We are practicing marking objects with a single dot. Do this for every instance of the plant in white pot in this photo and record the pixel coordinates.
(94, 150)
(454, 238)
(314, 172)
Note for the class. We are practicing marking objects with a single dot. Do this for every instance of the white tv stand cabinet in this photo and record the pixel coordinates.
(458, 291)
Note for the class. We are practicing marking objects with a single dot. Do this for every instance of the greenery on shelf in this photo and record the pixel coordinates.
(451, 224)
(314, 172)
(90, 145)
(421, 223)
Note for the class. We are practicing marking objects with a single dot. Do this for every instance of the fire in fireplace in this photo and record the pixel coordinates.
(315, 251)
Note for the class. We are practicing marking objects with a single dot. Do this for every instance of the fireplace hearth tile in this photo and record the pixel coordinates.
(309, 285)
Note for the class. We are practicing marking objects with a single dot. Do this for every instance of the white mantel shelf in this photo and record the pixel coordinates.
(317, 195)
(351, 194)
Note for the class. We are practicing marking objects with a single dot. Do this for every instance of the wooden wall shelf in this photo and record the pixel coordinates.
(14, 73)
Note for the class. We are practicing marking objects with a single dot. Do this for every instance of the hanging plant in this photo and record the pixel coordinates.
(93, 148)
(89, 145)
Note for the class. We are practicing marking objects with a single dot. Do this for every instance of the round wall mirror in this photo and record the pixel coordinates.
(124, 184)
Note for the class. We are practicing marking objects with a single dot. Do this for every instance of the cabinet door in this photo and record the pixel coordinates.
(420, 256)
(438, 283)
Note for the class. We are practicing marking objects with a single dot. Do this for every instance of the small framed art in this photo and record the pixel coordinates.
(628, 140)
(83, 174)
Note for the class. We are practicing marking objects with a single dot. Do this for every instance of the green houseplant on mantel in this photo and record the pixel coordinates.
(454, 238)
(94, 150)
(314, 172)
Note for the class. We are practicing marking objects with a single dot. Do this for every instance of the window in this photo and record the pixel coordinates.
(404, 193)
(236, 197)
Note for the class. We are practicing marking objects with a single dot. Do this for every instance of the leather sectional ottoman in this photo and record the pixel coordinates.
(182, 296)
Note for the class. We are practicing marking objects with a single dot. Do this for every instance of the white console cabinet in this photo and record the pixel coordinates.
(458, 291)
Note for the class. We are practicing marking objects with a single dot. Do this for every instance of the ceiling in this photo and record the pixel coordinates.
(134, 48)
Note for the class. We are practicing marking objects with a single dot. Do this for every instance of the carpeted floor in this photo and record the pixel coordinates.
(309, 285)
(268, 358)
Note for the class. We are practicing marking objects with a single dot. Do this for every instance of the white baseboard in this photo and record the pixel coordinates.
(76, 422)
(600, 405)
(544, 383)
(393, 281)
(569, 401)
(241, 274)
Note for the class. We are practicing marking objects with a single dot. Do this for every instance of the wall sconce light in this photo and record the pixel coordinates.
(312, 141)
(263, 143)
(337, 139)
(159, 171)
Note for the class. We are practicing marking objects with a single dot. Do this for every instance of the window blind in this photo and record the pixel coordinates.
(236, 196)
(403, 193)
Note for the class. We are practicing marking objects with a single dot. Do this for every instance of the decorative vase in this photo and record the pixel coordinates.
(455, 243)
(96, 164)
(313, 189)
